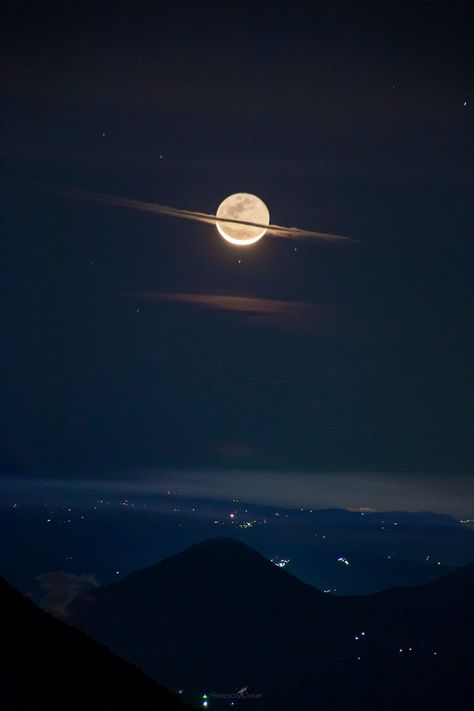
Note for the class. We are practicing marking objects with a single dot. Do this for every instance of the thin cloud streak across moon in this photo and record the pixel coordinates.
(274, 230)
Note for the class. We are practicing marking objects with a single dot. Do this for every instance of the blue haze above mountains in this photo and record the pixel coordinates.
(107, 536)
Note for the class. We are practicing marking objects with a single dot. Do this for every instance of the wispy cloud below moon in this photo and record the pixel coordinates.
(274, 310)
(246, 304)
(165, 210)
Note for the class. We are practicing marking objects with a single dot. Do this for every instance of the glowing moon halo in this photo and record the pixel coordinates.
(248, 208)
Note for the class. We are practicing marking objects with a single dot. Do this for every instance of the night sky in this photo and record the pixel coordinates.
(122, 351)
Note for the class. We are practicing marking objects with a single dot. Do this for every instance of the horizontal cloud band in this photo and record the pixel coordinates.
(274, 230)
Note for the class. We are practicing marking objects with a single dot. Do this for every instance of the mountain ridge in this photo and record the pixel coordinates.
(46, 663)
(226, 616)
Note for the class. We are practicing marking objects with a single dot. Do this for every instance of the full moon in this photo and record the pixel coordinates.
(246, 207)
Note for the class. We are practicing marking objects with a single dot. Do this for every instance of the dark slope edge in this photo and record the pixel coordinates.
(46, 663)
(219, 616)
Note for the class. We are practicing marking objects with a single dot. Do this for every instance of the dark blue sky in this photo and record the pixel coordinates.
(347, 121)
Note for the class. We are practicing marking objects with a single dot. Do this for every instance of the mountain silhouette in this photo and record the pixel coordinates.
(219, 616)
(47, 664)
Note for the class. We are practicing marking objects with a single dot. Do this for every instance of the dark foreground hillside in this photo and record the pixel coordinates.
(46, 664)
(219, 617)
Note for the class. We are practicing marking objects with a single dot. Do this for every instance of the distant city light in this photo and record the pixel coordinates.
(280, 562)
(360, 509)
